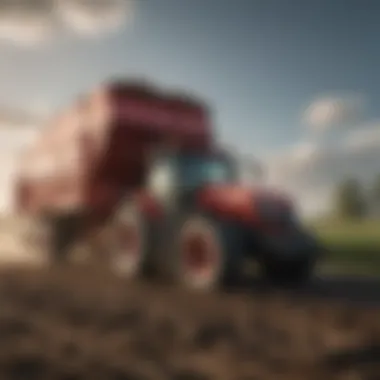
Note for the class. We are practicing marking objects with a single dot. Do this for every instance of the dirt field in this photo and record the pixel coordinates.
(71, 324)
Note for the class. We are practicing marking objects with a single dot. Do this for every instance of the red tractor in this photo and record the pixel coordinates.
(138, 174)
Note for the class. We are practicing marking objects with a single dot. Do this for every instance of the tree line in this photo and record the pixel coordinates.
(353, 200)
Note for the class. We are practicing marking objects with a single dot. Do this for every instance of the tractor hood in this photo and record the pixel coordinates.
(257, 205)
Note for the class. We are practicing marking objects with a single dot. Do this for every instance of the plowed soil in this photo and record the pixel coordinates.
(75, 324)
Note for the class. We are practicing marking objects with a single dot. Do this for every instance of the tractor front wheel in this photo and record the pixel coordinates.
(297, 272)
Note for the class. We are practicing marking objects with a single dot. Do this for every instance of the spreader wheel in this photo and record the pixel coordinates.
(127, 248)
(38, 237)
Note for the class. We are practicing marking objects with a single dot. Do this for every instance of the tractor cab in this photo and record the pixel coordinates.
(178, 176)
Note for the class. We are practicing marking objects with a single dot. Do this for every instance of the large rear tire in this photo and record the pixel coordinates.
(208, 254)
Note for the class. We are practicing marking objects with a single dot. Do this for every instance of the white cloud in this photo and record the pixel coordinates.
(33, 22)
(92, 17)
(309, 171)
(12, 118)
(27, 22)
(331, 111)
(25, 32)
(365, 138)
(294, 161)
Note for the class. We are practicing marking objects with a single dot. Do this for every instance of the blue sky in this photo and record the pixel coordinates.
(259, 62)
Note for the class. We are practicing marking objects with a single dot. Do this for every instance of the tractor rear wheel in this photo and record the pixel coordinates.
(208, 254)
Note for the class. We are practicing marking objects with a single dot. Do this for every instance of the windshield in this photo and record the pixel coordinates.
(197, 170)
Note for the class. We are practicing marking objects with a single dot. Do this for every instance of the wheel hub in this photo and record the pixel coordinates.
(198, 255)
(199, 259)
